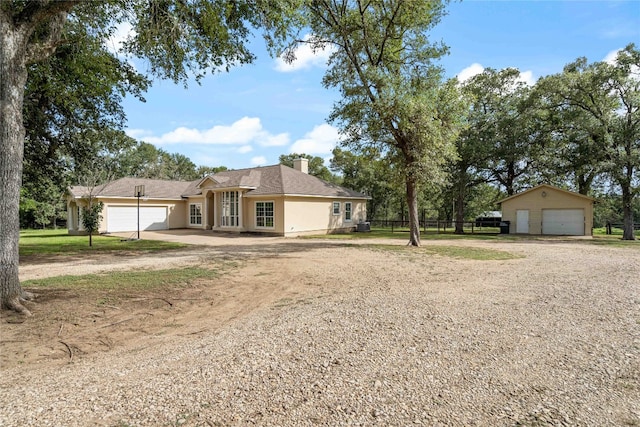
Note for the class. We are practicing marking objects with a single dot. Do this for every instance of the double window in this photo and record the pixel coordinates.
(195, 214)
(264, 215)
(347, 210)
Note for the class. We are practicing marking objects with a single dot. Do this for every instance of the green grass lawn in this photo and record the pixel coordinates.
(459, 252)
(125, 280)
(599, 236)
(58, 242)
(403, 234)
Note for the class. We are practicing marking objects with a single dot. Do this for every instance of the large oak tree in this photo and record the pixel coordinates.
(179, 39)
(393, 95)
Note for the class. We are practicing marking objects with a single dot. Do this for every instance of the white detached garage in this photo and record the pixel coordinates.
(549, 210)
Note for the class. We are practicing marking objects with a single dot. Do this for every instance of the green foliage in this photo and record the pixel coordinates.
(370, 173)
(72, 109)
(497, 141)
(203, 171)
(91, 217)
(180, 39)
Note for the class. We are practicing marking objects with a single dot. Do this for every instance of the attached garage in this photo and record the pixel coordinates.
(125, 218)
(563, 222)
(549, 210)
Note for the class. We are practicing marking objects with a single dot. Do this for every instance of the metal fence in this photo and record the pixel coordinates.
(611, 225)
(438, 226)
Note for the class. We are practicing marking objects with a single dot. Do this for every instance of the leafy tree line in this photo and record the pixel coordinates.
(578, 129)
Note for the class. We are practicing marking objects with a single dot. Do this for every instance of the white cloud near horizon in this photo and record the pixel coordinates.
(245, 149)
(305, 58)
(321, 140)
(243, 132)
(476, 68)
(611, 57)
(472, 70)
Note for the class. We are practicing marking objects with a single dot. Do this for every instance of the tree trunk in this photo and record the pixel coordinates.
(627, 211)
(13, 78)
(412, 204)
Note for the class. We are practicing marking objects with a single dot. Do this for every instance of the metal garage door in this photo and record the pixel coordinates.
(568, 222)
(125, 218)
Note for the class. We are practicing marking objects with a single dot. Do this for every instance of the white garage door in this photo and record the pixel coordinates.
(567, 222)
(125, 218)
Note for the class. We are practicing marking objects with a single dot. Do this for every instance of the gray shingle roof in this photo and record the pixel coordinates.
(277, 180)
(125, 187)
(267, 180)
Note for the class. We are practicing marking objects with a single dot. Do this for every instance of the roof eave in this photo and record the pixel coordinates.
(307, 195)
(572, 193)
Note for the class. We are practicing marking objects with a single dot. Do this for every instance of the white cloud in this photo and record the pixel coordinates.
(245, 149)
(139, 134)
(527, 78)
(123, 31)
(470, 71)
(258, 161)
(475, 69)
(245, 131)
(321, 140)
(275, 140)
(612, 59)
(305, 58)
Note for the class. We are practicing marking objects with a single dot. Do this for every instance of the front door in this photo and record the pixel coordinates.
(522, 221)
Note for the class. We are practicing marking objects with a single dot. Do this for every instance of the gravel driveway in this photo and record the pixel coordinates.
(378, 337)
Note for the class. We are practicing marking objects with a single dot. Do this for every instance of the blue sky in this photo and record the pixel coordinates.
(254, 113)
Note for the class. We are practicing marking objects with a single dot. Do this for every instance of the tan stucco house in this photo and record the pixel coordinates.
(276, 200)
(549, 210)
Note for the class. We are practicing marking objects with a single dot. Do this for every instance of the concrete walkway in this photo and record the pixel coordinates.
(204, 237)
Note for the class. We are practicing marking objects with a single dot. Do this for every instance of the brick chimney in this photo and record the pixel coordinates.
(301, 165)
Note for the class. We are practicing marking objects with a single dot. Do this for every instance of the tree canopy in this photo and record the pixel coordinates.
(604, 102)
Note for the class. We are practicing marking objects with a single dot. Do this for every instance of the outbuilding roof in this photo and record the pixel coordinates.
(550, 187)
(259, 181)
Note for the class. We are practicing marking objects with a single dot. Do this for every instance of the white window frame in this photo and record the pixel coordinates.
(197, 215)
(230, 215)
(348, 211)
(333, 208)
(264, 216)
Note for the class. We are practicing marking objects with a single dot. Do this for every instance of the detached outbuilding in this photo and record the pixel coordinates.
(549, 210)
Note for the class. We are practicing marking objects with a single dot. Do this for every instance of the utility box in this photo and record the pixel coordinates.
(363, 227)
